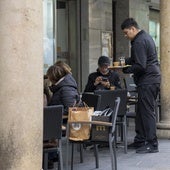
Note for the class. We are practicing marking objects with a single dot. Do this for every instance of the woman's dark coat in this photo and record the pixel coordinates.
(65, 93)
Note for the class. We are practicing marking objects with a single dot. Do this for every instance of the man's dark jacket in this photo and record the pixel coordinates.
(112, 77)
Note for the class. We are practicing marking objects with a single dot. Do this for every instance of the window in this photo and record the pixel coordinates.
(48, 34)
(154, 28)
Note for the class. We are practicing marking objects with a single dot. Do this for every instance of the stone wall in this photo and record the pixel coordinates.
(122, 12)
(100, 19)
(138, 9)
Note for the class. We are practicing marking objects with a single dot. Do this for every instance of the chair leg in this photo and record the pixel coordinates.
(67, 152)
(72, 155)
(112, 147)
(96, 155)
(81, 153)
(125, 134)
(60, 156)
(121, 130)
(116, 129)
(115, 158)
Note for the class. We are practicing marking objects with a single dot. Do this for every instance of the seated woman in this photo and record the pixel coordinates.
(103, 78)
(64, 92)
(47, 83)
(64, 87)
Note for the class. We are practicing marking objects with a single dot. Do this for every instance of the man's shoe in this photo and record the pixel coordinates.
(136, 145)
(148, 148)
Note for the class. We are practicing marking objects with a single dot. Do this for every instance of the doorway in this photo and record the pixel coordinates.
(61, 34)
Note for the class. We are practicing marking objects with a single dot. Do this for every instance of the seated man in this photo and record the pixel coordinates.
(103, 78)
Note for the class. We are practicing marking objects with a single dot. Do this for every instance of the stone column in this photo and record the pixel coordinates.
(164, 125)
(21, 84)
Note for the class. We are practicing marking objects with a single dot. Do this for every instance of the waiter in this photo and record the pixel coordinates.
(145, 67)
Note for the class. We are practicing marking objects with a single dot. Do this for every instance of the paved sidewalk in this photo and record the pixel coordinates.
(129, 161)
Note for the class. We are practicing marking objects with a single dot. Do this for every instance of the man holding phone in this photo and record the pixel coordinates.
(103, 78)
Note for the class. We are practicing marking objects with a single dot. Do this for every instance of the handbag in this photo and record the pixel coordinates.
(79, 131)
(101, 132)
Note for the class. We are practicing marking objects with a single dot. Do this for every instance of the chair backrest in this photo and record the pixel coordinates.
(92, 100)
(130, 85)
(52, 127)
(115, 113)
(109, 96)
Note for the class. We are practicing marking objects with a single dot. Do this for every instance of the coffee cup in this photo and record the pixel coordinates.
(116, 63)
(112, 87)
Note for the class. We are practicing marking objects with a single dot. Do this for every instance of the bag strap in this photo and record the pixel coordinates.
(85, 105)
(80, 104)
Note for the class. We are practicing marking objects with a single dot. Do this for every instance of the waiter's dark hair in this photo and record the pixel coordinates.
(129, 22)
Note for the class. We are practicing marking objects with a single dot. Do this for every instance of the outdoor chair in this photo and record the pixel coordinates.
(130, 86)
(107, 100)
(91, 100)
(132, 97)
(131, 89)
(111, 139)
(52, 130)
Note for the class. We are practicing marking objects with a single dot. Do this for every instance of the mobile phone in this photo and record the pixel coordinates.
(104, 79)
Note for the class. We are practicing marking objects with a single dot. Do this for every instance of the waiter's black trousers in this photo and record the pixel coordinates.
(145, 123)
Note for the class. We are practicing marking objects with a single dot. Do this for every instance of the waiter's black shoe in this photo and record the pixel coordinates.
(136, 145)
(148, 148)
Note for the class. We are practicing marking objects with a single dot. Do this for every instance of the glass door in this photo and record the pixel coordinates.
(67, 34)
(49, 11)
(62, 31)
